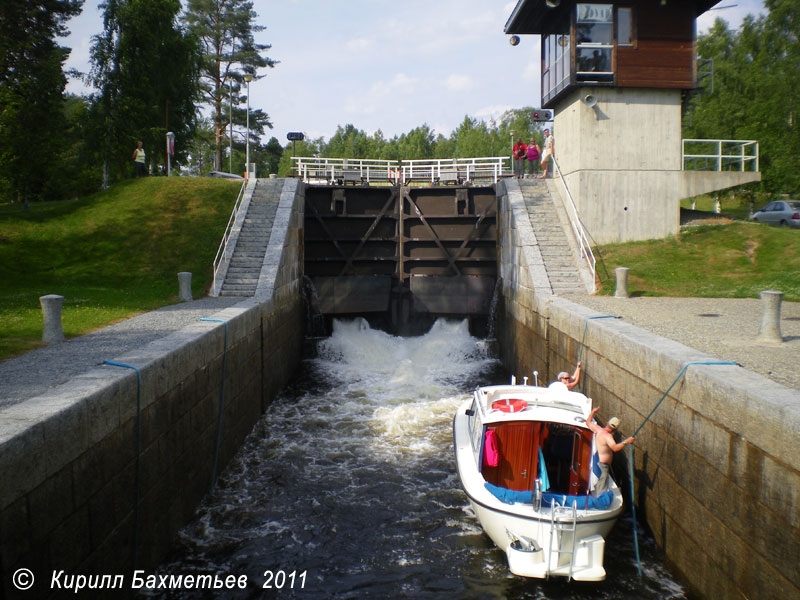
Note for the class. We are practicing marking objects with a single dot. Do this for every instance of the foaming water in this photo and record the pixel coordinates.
(350, 478)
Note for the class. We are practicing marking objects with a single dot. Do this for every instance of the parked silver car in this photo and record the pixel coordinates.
(785, 213)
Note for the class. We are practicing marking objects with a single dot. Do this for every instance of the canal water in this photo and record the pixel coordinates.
(347, 487)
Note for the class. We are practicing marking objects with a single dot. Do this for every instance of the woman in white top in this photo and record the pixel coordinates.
(139, 161)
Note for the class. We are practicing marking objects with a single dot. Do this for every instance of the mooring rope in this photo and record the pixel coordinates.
(583, 339)
(633, 512)
(630, 446)
(681, 374)
(135, 557)
(221, 400)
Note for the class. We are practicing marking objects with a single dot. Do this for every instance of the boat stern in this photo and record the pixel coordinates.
(533, 561)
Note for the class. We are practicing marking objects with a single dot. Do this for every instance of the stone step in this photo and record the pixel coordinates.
(241, 283)
(243, 272)
(235, 287)
(554, 247)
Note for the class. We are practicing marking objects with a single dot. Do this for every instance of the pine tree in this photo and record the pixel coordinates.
(225, 30)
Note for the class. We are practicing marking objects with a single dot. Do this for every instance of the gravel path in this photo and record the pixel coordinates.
(724, 328)
(35, 372)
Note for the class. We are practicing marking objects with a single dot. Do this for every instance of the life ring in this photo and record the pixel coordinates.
(510, 405)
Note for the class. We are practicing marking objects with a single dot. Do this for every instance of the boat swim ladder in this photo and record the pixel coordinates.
(563, 519)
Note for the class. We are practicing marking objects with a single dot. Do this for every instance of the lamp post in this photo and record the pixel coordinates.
(248, 79)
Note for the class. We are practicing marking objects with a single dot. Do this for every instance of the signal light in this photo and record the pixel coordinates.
(541, 115)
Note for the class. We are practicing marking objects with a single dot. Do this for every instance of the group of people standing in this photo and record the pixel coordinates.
(534, 156)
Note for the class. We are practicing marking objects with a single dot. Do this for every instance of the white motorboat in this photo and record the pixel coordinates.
(526, 459)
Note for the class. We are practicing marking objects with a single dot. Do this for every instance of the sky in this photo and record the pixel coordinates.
(385, 65)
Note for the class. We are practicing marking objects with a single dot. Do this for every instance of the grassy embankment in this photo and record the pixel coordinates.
(736, 259)
(111, 255)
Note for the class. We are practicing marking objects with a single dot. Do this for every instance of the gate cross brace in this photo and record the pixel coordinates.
(372, 227)
(489, 213)
(436, 239)
(325, 228)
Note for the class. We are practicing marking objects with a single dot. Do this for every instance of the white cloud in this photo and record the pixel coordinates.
(359, 44)
(459, 83)
(380, 95)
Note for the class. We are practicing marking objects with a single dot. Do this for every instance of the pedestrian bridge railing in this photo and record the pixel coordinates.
(719, 155)
(343, 171)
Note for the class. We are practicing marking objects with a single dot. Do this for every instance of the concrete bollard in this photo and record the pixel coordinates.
(51, 309)
(185, 286)
(770, 330)
(622, 282)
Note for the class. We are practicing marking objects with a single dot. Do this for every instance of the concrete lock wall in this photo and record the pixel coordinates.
(68, 458)
(717, 467)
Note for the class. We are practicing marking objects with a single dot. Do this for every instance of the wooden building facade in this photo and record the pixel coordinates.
(632, 44)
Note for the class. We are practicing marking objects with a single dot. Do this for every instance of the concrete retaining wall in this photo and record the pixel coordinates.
(717, 466)
(69, 470)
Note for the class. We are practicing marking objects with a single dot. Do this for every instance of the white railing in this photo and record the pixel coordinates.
(454, 170)
(436, 171)
(345, 170)
(719, 155)
(584, 246)
(225, 250)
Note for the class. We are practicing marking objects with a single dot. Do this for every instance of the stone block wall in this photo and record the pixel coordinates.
(74, 461)
(717, 466)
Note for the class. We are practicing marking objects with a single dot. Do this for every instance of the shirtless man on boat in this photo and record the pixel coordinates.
(606, 446)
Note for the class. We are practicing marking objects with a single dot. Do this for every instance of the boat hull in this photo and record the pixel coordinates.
(565, 539)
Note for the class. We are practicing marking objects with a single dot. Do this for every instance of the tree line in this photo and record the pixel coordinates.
(472, 138)
(155, 66)
(160, 66)
(752, 91)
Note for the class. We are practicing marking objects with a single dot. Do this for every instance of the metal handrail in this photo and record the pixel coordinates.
(743, 153)
(577, 229)
(222, 251)
(454, 169)
(331, 170)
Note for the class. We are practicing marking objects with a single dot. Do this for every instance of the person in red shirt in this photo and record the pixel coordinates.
(520, 152)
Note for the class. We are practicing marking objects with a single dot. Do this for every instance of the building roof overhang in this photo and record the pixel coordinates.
(537, 16)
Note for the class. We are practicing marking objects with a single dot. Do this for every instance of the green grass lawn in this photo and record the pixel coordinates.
(733, 260)
(111, 255)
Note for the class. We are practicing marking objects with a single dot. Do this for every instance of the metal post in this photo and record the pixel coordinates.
(248, 79)
(170, 146)
(512, 152)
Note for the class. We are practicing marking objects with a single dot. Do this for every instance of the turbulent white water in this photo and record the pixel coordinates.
(350, 479)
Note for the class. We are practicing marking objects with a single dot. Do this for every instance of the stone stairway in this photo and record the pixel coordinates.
(559, 261)
(251, 246)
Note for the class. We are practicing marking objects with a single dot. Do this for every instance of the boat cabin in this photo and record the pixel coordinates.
(543, 437)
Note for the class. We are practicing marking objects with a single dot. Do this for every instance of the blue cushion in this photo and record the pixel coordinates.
(601, 502)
